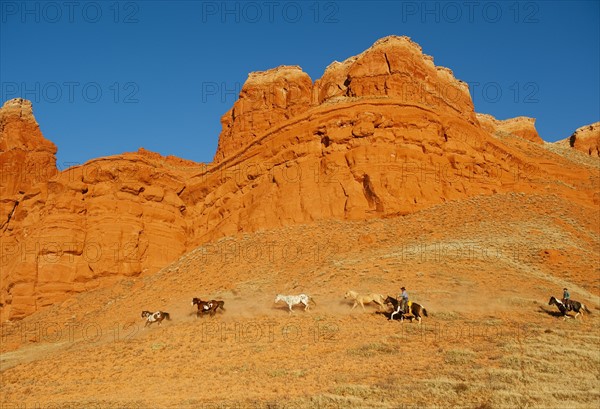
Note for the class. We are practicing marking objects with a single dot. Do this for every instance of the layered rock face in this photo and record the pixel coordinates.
(26, 157)
(587, 139)
(266, 99)
(381, 134)
(395, 68)
(520, 126)
(66, 232)
(385, 132)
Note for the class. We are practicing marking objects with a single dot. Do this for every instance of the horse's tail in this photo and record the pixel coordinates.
(425, 312)
(222, 305)
(310, 299)
(167, 316)
(585, 308)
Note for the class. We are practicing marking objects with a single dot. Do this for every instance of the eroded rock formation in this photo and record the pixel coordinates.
(383, 133)
(65, 232)
(520, 126)
(587, 139)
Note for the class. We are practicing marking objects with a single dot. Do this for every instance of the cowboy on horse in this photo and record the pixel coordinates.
(566, 299)
(403, 298)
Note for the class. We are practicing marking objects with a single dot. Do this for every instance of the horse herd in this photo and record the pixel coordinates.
(412, 310)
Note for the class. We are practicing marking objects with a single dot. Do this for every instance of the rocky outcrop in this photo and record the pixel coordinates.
(385, 133)
(520, 126)
(26, 157)
(587, 139)
(91, 225)
(266, 99)
(393, 68)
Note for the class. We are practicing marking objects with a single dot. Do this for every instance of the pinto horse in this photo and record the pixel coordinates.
(413, 308)
(570, 305)
(209, 307)
(152, 317)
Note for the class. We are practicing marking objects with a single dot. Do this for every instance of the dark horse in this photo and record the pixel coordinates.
(569, 305)
(209, 307)
(414, 309)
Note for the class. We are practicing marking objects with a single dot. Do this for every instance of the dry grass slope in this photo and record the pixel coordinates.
(484, 268)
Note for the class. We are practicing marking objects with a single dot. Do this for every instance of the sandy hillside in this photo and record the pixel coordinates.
(483, 268)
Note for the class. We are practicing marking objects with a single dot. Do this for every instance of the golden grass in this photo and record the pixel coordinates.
(497, 345)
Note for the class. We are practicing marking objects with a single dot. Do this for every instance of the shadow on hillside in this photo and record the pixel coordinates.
(550, 312)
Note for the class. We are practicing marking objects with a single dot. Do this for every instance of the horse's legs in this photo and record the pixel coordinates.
(396, 312)
(362, 305)
(354, 306)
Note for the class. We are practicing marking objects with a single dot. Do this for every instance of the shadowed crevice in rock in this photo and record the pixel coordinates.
(370, 195)
(4, 225)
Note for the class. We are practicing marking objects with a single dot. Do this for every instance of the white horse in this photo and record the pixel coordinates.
(292, 300)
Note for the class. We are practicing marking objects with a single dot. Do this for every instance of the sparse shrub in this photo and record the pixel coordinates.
(461, 387)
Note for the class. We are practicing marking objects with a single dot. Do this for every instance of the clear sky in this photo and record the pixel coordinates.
(108, 77)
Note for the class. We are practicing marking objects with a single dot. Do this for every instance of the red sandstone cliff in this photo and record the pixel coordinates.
(587, 139)
(26, 157)
(520, 126)
(381, 134)
(65, 232)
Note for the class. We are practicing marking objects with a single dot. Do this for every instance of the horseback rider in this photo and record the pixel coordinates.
(566, 298)
(403, 300)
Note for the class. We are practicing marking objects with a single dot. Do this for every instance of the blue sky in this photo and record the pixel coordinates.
(108, 77)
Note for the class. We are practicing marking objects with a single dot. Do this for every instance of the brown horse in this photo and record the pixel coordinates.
(414, 309)
(209, 307)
